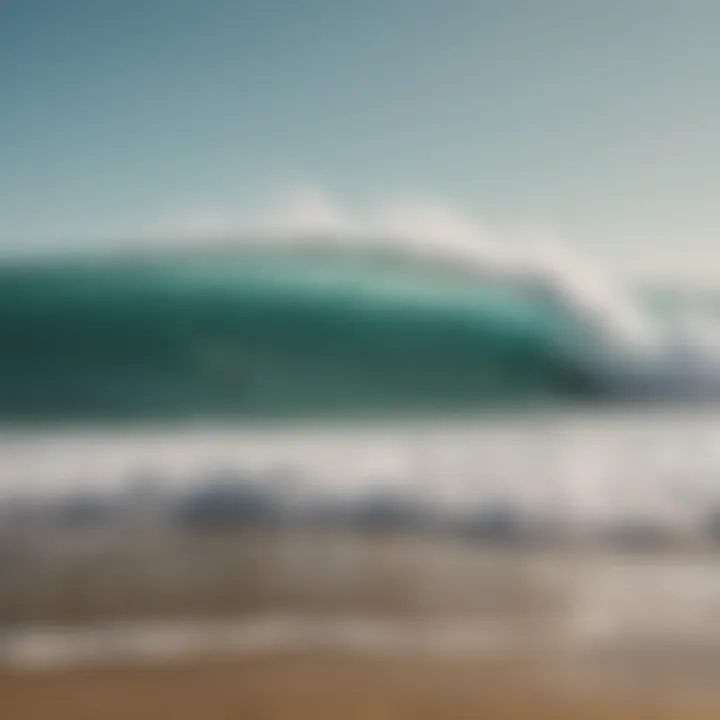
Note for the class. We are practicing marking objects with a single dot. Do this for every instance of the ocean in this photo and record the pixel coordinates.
(315, 330)
(219, 434)
(359, 367)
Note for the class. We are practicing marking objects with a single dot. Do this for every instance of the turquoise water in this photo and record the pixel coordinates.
(263, 334)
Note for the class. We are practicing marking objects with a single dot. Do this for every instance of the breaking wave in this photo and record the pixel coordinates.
(285, 327)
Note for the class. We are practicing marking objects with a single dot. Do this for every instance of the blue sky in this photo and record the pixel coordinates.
(598, 118)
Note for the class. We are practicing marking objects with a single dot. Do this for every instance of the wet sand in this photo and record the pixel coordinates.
(327, 687)
(384, 626)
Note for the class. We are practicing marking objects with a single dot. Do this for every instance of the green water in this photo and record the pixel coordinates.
(268, 334)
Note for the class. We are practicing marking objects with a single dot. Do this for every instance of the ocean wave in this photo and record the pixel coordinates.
(300, 327)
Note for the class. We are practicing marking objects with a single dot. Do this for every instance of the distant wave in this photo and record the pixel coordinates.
(299, 327)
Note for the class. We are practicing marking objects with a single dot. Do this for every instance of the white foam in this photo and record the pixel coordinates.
(587, 466)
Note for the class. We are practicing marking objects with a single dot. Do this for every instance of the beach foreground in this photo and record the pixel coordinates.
(329, 686)
(353, 625)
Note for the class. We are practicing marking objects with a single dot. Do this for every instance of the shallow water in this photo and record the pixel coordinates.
(604, 617)
(642, 479)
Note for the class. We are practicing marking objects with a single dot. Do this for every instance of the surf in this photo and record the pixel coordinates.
(302, 327)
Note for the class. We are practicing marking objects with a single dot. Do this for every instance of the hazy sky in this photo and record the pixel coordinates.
(598, 117)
